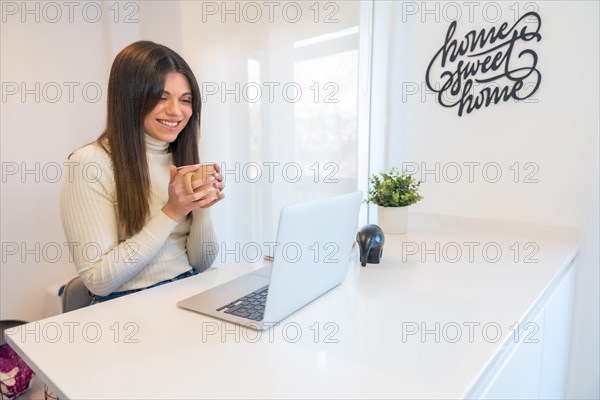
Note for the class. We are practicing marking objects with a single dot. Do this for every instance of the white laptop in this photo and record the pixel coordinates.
(312, 255)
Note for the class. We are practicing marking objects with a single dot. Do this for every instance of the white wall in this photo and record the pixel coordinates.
(556, 133)
(39, 130)
(57, 46)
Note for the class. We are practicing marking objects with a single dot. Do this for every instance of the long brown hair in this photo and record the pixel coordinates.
(135, 86)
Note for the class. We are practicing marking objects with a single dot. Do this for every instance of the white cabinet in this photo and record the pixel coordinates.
(519, 376)
(557, 336)
(535, 366)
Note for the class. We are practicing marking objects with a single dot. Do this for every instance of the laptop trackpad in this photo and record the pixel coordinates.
(265, 271)
(211, 299)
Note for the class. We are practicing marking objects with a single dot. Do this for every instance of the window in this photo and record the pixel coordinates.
(279, 114)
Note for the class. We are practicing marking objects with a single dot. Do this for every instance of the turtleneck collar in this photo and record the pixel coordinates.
(154, 145)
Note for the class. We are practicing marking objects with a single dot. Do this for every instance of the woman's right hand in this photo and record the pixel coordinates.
(180, 203)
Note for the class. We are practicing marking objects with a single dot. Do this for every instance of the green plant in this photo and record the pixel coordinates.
(393, 189)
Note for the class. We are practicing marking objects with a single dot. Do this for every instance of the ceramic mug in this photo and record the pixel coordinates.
(204, 171)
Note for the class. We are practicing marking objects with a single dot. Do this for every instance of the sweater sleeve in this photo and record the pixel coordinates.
(89, 217)
(201, 244)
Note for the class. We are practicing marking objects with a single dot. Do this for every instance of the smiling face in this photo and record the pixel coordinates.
(173, 111)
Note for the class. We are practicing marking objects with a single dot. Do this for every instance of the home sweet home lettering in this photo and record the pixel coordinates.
(488, 66)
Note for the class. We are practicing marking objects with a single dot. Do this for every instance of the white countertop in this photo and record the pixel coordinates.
(355, 341)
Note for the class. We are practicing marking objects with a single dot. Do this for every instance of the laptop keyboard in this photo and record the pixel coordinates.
(251, 306)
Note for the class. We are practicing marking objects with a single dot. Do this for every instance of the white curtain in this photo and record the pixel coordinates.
(279, 108)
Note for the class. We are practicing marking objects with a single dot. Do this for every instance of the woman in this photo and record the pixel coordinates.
(130, 222)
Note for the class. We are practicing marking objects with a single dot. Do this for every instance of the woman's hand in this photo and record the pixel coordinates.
(207, 192)
(217, 183)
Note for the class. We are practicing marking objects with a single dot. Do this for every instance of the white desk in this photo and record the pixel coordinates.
(354, 342)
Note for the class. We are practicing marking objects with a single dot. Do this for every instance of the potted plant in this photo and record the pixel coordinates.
(393, 192)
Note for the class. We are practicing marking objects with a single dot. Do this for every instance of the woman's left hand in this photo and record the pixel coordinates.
(219, 185)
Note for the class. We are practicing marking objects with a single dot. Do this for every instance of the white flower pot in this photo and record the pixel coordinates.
(392, 220)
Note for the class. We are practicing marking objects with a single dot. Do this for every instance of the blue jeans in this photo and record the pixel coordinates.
(114, 295)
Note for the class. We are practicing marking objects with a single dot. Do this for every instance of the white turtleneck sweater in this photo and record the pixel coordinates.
(162, 250)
